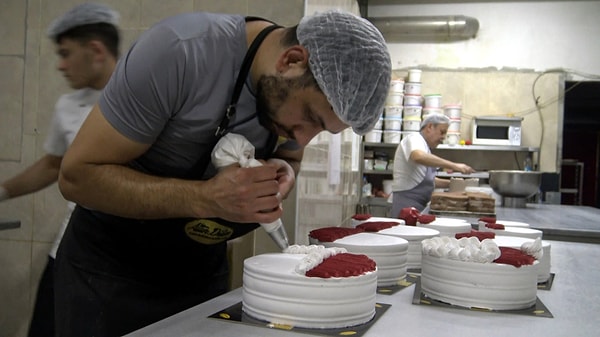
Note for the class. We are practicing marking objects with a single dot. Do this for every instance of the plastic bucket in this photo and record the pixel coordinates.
(414, 75)
(373, 136)
(392, 123)
(454, 125)
(397, 86)
(393, 111)
(452, 111)
(412, 88)
(394, 99)
(411, 125)
(413, 100)
(433, 101)
(412, 111)
(391, 136)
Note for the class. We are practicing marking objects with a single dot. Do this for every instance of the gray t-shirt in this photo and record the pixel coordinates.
(173, 86)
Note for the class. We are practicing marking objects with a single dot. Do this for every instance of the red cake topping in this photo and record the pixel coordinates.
(361, 217)
(426, 218)
(488, 219)
(494, 225)
(478, 234)
(330, 234)
(343, 265)
(514, 257)
(409, 215)
(376, 226)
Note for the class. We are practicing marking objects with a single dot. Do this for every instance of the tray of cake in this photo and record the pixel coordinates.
(471, 204)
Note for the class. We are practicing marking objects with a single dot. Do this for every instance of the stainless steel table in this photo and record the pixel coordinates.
(574, 300)
(9, 224)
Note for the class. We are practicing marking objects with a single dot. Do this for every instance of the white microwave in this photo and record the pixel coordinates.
(496, 130)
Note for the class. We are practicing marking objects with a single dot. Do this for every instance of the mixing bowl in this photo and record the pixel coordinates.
(515, 186)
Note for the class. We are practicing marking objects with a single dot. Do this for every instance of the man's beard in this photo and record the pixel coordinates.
(271, 92)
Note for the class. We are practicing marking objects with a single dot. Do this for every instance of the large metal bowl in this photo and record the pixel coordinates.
(515, 184)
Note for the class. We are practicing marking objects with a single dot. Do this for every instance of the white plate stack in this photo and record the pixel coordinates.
(453, 111)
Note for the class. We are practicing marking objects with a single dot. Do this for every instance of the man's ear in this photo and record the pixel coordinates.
(98, 49)
(292, 58)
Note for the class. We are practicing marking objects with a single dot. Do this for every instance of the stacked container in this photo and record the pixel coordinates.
(453, 112)
(392, 113)
(412, 103)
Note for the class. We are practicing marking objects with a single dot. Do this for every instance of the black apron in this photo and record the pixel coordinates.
(115, 274)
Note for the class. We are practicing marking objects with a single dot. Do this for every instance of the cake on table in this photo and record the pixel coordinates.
(310, 287)
(543, 272)
(412, 234)
(471, 273)
(389, 253)
(358, 219)
(445, 226)
(500, 229)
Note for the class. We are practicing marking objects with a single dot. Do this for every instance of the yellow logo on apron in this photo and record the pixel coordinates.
(207, 231)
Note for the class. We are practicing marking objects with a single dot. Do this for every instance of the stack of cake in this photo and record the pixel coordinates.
(475, 202)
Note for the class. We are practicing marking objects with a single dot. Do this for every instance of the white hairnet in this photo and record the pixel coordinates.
(351, 64)
(435, 119)
(83, 14)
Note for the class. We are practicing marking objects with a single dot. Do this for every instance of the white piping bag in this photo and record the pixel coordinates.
(233, 148)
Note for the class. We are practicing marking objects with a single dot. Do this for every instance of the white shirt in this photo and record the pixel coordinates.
(70, 112)
(407, 173)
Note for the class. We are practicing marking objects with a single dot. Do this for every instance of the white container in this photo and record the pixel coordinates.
(412, 88)
(412, 112)
(379, 124)
(369, 164)
(452, 111)
(426, 111)
(397, 86)
(373, 136)
(411, 125)
(391, 137)
(454, 126)
(413, 100)
(394, 99)
(393, 111)
(433, 101)
(392, 123)
(414, 75)
(452, 138)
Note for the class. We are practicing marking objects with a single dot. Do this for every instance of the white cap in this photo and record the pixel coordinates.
(435, 118)
(351, 64)
(84, 14)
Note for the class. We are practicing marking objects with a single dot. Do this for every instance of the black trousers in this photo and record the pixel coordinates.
(98, 294)
(42, 321)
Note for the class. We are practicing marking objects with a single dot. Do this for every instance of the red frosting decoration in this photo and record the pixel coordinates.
(361, 217)
(330, 234)
(343, 265)
(480, 235)
(409, 215)
(376, 226)
(494, 225)
(488, 219)
(514, 257)
(426, 218)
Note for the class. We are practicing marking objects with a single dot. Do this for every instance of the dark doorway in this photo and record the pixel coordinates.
(581, 144)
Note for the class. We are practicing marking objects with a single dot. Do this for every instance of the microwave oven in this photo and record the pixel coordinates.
(496, 130)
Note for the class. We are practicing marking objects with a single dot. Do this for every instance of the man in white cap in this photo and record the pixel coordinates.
(87, 43)
(148, 237)
(415, 165)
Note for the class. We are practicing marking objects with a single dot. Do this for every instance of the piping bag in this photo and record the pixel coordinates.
(233, 148)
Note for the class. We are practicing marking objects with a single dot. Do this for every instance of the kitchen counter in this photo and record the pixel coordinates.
(573, 300)
(9, 224)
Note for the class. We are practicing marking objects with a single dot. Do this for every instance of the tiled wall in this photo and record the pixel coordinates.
(29, 88)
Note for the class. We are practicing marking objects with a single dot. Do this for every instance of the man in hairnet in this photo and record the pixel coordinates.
(148, 237)
(87, 44)
(415, 165)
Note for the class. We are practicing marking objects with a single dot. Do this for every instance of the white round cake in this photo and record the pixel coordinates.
(390, 254)
(543, 273)
(276, 290)
(360, 220)
(414, 236)
(462, 272)
(523, 232)
(448, 226)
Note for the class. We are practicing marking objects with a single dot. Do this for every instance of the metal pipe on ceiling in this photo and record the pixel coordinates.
(426, 28)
